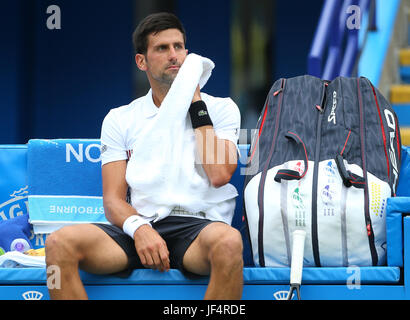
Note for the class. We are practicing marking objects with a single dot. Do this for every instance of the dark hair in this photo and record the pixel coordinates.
(153, 24)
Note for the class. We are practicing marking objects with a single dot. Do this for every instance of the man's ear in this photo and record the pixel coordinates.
(140, 61)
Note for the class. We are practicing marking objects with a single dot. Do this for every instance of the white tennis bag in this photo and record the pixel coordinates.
(325, 160)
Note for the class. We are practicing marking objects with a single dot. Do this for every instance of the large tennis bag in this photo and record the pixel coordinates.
(325, 159)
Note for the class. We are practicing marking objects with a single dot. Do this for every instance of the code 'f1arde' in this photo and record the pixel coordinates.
(327, 155)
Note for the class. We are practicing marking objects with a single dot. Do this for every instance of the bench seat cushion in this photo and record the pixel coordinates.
(367, 275)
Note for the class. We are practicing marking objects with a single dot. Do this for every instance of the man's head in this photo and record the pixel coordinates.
(153, 24)
(160, 44)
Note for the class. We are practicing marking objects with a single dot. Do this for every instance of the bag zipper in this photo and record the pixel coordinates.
(368, 221)
(382, 130)
(260, 129)
(315, 241)
(261, 188)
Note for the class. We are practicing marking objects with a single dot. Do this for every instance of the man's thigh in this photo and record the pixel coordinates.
(196, 258)
(98, 252)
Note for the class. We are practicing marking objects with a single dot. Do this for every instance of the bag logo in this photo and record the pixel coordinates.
(327, 194)
(330, 172)
(393, 159)
(299, 167)
(377, 204)
(299, 207)
(332, 115)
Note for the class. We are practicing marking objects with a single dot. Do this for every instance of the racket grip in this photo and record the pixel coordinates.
(297, 257)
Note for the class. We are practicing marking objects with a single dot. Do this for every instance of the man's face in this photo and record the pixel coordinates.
(165, 54)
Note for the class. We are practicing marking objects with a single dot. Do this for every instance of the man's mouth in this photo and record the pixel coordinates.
(173, 67)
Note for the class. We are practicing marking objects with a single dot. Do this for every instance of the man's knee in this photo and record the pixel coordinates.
(61, 247)
(227, 249)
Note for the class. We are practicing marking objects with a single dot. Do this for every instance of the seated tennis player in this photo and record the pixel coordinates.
(195, 242)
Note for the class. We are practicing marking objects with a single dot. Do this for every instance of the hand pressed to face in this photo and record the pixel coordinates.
(165, 54)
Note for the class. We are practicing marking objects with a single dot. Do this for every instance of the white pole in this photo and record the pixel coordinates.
(297, 261)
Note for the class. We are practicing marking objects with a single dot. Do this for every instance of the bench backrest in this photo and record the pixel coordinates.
(41, 174)
(16, 181)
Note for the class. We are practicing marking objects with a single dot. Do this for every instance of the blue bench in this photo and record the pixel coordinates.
(387, 282)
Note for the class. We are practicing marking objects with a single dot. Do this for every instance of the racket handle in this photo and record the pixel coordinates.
(297, 257)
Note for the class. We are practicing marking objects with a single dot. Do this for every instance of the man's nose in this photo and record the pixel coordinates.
(172, 54)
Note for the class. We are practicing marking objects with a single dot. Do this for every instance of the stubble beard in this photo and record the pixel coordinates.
(165, 79)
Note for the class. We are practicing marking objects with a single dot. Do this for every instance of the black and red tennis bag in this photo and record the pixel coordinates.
(325, 158)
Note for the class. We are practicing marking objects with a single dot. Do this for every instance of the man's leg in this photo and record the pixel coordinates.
(218, 250)
(85, 246)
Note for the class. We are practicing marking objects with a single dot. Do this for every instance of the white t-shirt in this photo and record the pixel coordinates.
(122, 126)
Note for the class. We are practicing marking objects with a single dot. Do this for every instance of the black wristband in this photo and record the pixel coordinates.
(199, 115)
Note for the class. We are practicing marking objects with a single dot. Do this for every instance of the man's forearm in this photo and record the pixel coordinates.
(117, 211)
(217, 157)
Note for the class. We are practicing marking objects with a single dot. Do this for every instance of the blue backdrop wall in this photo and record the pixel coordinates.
(61, 83)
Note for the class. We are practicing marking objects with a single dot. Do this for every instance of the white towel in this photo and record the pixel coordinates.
(162, 172)
(16, 259)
